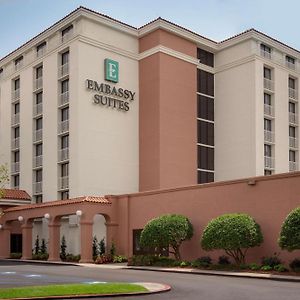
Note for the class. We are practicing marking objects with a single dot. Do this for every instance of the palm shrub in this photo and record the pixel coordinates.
(289, 237)
(233, 233)
(167, 231)
(63, 247)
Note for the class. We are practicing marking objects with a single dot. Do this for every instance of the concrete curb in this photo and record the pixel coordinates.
(44, 262)
(153, 288)
(220, 273)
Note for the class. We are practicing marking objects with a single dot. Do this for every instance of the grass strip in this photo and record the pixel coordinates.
(69, 289)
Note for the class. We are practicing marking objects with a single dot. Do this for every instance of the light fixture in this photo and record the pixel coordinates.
(20, 218)
(47, 216)
(1, 226)
(78, 213)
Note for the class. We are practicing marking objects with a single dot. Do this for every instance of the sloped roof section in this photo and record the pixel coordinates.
(83, 199)
(10, 194)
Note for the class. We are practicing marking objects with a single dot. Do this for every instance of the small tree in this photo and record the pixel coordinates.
(95, 247)
(234, 233)
(43, 247)
(167, 231)
(289, 237)
(37, 245)
(113, 249)
(4, 178)
(102, 247)
(63, 247)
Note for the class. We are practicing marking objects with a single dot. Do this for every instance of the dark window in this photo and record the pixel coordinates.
(267, 125)
(16, 181)
(205, 57)
(292, 83)
(267, 99)
(39, 98)
(65, 114)
(205, 133)
(65, 86)
(16, 132)
(39, 72)
(205, 177)
(66, 31)
(292, 107)
(290, 60)
(65, 142)
(65, 58)
(64, 195)
(39, 199)
(292, 156)
(39, 176)
(267, 73)
(205, 158)
(205, 108)
(16, 108)
(15, 243)
(268, 172)
(17, 156)
(38, 123)
(268, 150)
(16, 84)
(265, 48)
(1, 71)
(292, 131)
(41, 47)
(64, 169)
(205, 82)
(38, 149)
(19, 61)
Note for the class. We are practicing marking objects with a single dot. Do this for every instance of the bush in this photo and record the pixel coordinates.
(63, 247)
(184, 264)
(103, 259)
(280, 268)
(72, 258)
(119, 259)
(141, 260)
(40, 256)
(271, 261)
(167, 231)
(289, 237)
(16, 255)
(164, 261)
(102, 247)
(234, 233)
(295, 265)
(37, 246)
(266, 268)
(254, 267)
(223, 260)
(95, 247)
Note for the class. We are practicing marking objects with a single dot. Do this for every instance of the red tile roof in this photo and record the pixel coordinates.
(83, 199)
(14, 194)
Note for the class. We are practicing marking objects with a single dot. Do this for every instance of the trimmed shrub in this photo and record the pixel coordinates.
(254, 267)
(223, 260)
(295, 265)
(95, 247)
(141, 260)
(40, 256)
(119, 259)
(271, 261)
(233, 233)
(72, 258)
(63, 247)
(167, 231)
(280, 268)
(102, 247)
(289, 237)
(16, 255)
(266, 268)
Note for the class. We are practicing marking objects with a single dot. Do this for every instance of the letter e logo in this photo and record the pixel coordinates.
(111, 70)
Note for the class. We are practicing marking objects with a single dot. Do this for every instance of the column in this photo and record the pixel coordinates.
(86, 241)
(26, 241)
(5, 241)
(54, 241)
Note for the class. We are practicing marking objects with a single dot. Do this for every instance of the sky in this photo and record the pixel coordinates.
(20, 20)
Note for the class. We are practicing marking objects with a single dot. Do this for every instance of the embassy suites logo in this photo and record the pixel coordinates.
(109, 95)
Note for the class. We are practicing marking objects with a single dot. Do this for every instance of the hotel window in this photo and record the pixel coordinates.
(206, 155)
(65, 33)
(205, 83)
(268, 150)
(16, 132)
(18, 63)
(16, 156)
(265, 51)
(16, 84)
(41, 49)
(267, 99)
(267, 73)
(38, 175)
(268, 172)
(65, 170)
(39, 72)
(17, 108)
(16, 181)
(64, 195)
(65, 58)
(292, 83)
(267, 125)
(292, 131)
(65, 114)
(65, 86)
(39, 98)
(292, 156)
(39, 149)
(1, 72)
(290, 62)
(206, 133)
(205, 57)
(65, 142)
(205, 177)
(205, 108)
(38, 199)
(39, 124)
(292, 107)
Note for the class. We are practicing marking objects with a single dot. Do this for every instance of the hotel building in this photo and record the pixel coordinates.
(93, 106)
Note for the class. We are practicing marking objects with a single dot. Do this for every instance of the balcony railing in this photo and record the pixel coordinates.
(15, 167)
(38, 135)
(15, 95)
(269, 136)
(15, 143)
(38, 83)
(293, 118)
(15, 119)
(265, 54)
(269, 110)
(37, 109)
(38, 187)
(63, 127)
(293, 166)
(293, 93)
(37, 161)
(269, 84)
(269, 162)
(293, 142)
(63, 182)
(63, 70)
(63, 154)
(64, 98)
(290, 65)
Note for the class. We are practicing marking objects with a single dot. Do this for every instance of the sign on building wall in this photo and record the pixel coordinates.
(111, 70)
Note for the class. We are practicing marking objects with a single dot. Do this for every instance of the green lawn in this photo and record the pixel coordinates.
(69, 289)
